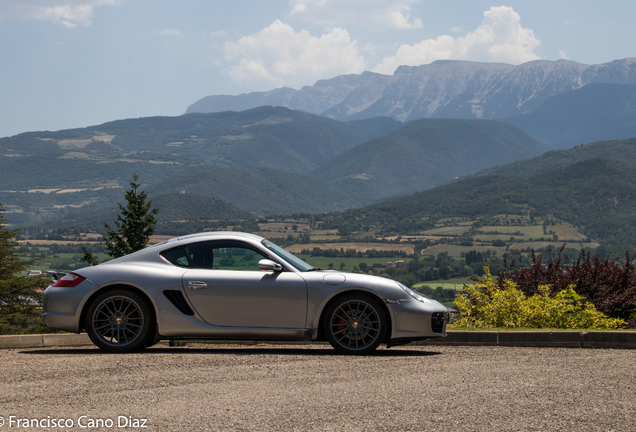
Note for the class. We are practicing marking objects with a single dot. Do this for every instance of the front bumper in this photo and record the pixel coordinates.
(414, 320)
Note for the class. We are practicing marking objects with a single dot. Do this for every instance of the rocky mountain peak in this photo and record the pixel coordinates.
(443, 88)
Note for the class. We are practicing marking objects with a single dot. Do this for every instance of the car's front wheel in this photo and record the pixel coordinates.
(119, 321)
(355, 324)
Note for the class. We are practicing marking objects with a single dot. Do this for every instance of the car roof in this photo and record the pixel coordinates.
(216, 234)
(187, 239)
(209, 235)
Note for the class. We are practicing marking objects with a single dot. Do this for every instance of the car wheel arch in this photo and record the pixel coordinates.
(131, 288)
(335, 298)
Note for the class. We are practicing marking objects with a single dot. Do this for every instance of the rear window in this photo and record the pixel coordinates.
(177, 257)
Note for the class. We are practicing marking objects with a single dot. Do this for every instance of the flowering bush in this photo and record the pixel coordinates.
(488, 304)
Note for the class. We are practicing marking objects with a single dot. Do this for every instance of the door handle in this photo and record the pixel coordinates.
(197, 285)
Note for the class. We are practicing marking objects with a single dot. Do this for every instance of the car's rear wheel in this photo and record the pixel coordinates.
(119, 321)
(355, 324)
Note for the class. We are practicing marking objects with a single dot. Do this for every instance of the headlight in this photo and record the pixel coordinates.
(415, 295)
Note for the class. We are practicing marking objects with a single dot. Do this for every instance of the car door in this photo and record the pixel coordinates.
(227, 288)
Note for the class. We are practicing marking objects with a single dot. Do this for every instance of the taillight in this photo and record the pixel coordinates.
(69, 280)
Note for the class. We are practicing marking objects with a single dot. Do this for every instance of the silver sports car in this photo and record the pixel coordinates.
(229, 285)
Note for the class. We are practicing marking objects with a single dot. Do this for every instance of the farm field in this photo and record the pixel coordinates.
(453, 237)
(64, 261)
(445, 231)
(349, 263)
(456, 250)
(361, 247)
(531, 231)
(552, 244)
(454, 283)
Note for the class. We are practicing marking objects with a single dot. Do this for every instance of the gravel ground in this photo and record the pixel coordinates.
(308, 387)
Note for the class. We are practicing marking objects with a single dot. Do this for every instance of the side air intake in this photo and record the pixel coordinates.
(176, 298)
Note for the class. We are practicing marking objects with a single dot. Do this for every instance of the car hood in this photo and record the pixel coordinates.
(386, 288)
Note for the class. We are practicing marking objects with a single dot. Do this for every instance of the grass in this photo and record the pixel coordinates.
(447, 230)
(325, 237)
(455, 251)
(455, 283)
(531, 231)
(74, 260)
(556, 245)
(492, 237)
(566, 232)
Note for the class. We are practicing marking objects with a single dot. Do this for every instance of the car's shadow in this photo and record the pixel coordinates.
(314, 352)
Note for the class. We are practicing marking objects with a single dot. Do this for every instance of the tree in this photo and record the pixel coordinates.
(135, 223)
(20, 300)
(88, 257)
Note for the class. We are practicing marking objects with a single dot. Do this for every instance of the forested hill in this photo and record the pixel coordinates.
(592, 113)
(261, 137)
(263, 191)
(597, 195)
(621, 151)
(184, 206)
(429, 152)
(173, 207)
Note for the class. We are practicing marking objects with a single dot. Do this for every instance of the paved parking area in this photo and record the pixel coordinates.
(308, 387)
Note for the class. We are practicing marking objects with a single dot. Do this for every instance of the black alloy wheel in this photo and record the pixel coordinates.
(355, 324)
(120, 321)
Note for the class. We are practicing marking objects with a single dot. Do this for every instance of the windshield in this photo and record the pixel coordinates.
(287, 256)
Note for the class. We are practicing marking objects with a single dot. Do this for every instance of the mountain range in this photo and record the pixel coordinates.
(480, 135)
(442, 89)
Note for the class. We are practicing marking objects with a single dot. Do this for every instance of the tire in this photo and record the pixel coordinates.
(152, 340)
(120, 321)
(355, 324)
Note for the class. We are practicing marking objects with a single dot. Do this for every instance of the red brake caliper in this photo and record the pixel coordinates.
(134, 316)
(343, 320)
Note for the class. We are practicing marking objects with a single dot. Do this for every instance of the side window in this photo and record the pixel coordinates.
(176, 256)
(236, 258)
(221, 255)
(201, 255)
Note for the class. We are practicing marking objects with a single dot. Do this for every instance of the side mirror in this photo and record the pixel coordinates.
(269, 265)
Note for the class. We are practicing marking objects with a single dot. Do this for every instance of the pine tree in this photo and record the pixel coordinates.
(88, 257)
(20, 301)
(134, 225)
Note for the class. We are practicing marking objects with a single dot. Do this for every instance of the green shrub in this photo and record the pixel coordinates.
(486, 304)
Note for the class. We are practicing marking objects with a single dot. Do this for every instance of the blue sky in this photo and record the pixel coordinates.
(76, 63)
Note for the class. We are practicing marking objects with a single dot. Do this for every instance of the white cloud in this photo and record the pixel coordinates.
(563, 56)
(277, 55)
(499, 38)
(69, 13)
(376, 14)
